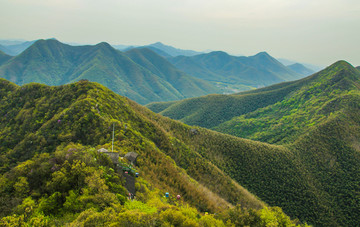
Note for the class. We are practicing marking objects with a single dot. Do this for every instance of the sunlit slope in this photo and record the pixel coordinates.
(316, 120)
(325, 96)
(38, 119)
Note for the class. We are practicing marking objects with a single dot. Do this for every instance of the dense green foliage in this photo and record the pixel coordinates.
(325, 96)
(314, 174)
(52, 174)
(53, 63)
(235, 73)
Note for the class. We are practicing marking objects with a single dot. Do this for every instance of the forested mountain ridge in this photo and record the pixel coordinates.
(226, 70)
(55, 63)
(161, 67)
(219, 109)
(315, 119)
(321, 97)
(51, 173)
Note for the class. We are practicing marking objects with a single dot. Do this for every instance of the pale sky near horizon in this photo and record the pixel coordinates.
(312, 31)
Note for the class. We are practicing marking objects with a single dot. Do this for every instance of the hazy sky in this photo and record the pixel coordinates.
(313, 31)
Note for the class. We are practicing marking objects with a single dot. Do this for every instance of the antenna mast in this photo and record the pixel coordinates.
(112, 149)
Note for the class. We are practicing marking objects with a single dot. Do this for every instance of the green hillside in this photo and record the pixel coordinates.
(54, 63)
(235, 73)
(325, 96)
(316, 122)
(51, 173)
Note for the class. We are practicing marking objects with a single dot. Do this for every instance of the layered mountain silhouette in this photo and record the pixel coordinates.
(287, 62)
(55, 63)
(311, 172)
(301, 69)
(15, 49)
(226, 70)
(165, 50)
(315, 120)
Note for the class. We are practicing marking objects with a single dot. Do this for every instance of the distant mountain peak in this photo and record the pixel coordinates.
(263, 54)
(104, 45)
(341, 74)
(341, 63)
(44, 41)
(219, 53)
(296, 64)
(157, 44)
(301, 69)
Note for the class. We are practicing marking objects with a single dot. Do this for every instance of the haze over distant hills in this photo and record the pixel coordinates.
(16, 47)
(226, 70)
(313, 67)
(301, 69)
(316, 118)
(144, 74)
(55, 63)
(162, 49)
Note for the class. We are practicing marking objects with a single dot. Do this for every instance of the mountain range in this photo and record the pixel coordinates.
(161, 49)
(301, 69)
(16, 48)
(53, 174)
(142, 74)
(226, 70)
(305, 160)
(312, 67)
(54, 63)
(315, 120)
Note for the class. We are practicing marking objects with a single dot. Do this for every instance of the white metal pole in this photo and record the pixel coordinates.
(112, 149)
